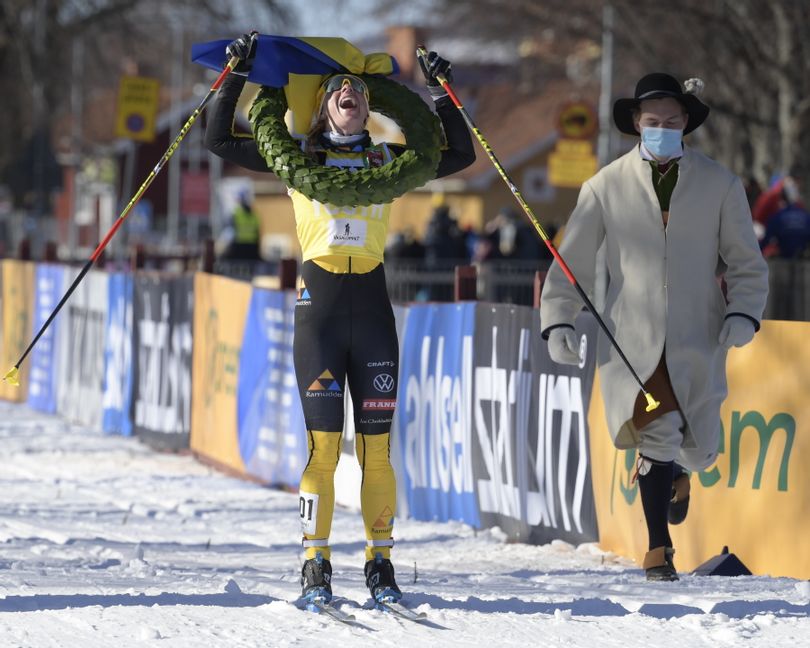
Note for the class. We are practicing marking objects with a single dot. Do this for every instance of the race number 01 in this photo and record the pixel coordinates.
(308, 511)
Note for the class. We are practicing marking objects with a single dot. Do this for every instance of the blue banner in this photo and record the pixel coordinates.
(49, 286)
(272, 433)
(117, 387)
(433, 419)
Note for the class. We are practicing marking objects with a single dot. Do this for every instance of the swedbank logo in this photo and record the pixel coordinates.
(742, 426)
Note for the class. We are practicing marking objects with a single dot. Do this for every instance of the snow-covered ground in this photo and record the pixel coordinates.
(104, 543)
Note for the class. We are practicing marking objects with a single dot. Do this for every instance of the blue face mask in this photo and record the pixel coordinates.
(664, 143)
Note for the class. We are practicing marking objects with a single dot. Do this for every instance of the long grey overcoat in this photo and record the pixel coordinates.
(662, 286)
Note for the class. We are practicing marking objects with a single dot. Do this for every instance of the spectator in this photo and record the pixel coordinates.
(444, 239)
(404, 246)
(789, 228)
(245, 243)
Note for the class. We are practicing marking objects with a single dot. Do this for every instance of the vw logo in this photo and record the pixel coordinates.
(383, 383)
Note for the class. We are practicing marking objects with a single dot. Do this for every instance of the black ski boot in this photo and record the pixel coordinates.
(380, 579)
(316, 579)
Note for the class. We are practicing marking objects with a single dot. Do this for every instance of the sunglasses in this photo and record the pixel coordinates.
(338, 81)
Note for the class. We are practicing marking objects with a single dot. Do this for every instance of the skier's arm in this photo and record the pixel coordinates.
(219, 136)
(459, 153)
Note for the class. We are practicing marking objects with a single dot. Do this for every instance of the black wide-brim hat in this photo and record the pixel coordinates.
(657, 86)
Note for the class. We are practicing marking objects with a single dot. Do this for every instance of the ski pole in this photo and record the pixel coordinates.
(12, 377)
(652, 404)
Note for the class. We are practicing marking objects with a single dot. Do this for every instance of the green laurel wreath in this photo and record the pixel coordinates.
(339, 186)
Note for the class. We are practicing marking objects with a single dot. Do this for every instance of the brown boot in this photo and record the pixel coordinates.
(659, 566)
(679, 504)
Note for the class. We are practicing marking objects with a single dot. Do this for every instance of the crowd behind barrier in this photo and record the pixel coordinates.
(488, 430)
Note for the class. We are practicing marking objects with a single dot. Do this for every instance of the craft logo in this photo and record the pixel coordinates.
(380, 363)
(384, 521)
(303, 297)
(375, 405)
(325, 386)
(384, 383)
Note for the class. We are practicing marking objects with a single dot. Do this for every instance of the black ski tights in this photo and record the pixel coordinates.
(656, 492)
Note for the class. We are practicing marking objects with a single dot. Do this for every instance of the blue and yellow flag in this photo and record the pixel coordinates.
(298, 65)
(279, 56)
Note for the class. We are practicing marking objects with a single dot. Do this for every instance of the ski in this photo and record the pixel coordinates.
(319, 605)
(402, 611)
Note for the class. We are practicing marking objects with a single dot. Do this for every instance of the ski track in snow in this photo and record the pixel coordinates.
(106, 543)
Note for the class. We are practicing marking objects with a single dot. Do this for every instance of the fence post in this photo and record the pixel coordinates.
(50, 252)
(539, 280)
(208, 256)
(287, 274)
(138, 258)
(466, 283)
(24, 249)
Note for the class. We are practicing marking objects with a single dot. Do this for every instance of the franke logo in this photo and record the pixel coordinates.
(380, 404)
(384, 383)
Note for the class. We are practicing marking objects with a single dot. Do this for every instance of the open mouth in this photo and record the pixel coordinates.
(347, 102)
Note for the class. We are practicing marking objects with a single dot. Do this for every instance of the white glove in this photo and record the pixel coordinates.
(563, 345)
(737, 331)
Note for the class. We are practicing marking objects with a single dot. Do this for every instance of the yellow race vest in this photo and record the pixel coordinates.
(326, 230)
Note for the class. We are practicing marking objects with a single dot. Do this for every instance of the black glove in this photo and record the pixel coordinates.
(244, 49)
(433, 66)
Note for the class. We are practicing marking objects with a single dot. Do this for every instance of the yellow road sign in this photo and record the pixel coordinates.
(137, 108)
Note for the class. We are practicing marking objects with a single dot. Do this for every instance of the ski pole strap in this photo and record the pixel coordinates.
(380, 543)
(315, 542)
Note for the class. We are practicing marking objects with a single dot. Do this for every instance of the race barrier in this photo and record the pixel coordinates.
(161, 368)
(755, 498)
(488, 430)
(220, 309)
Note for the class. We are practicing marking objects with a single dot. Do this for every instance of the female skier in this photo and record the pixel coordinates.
(344, 323)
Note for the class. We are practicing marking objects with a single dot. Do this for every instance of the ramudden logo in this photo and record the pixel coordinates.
(325, 385)
(753, 420)
(384, 521)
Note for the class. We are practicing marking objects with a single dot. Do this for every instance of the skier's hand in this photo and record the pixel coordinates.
(563, 345)
(432, 65)
(737, 331)
(244, 49)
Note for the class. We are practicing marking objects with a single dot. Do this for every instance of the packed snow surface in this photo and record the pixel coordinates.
(105, 543)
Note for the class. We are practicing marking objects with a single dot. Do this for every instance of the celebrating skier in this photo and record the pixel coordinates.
(344, 324)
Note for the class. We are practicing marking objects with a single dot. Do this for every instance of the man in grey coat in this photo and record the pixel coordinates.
(670, 219)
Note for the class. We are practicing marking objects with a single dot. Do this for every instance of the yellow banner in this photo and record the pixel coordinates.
(220, 311)
(17, 319)
(756, 496)
(137, 108)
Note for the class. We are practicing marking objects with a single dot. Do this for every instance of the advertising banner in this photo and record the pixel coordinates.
(117, 396)
(530, 441)
(434, 408)
(81, 350)
(162, 345)
(220, 309)
(17, 318)
(755, 498)
(43, 379)
(272, 434)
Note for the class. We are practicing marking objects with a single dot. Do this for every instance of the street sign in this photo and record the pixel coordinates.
(577, 120)
(137, 108)
(571, 163)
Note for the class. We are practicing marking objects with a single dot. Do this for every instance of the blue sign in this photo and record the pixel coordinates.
(43, 378)
(118, 356)
(272, 433)
(434, 410)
